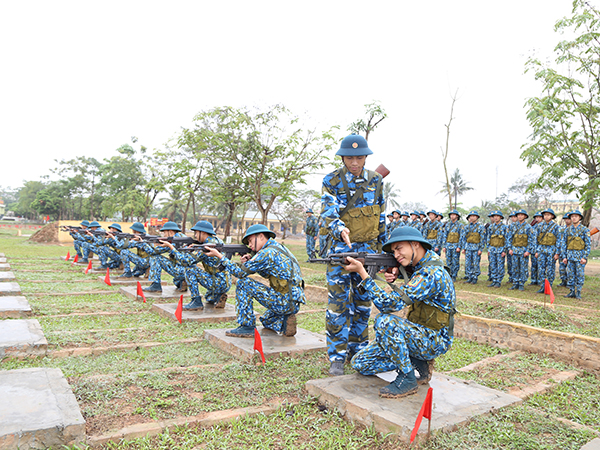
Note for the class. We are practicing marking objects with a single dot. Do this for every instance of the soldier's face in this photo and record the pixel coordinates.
(496, 218)
(472, 218)
(568, 222)
(256, 241)
(396, 216)
(406, 252)
(547, 217)
(432, 216)
(354, 164)
(575, 219)
(414, 217)
(453, 217)
(521, 217)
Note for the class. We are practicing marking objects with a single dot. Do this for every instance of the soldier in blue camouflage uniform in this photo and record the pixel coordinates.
(512, 220)
(323, 234)
(575, 251)
(389, 226)
(562, 267)
(353, 207)
(415, 220)
(311, 229)
(496, 242)
(109, 247)
(158, 262)
(521, 241)
(91, 244)
(432, 231)
(547, 238)
(537, 219)
(410, 344)
(139, 259)
(216, 281)
(473, 242)
(282, 297)
(451, 235)
(78, 240)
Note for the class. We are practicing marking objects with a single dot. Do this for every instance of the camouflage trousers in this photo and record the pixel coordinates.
(139, 264)
(310, 246)
(348, 312)
(576, 273)
(78, 248)
(453, 261)
(562, 270)
(496, 269)
(534, 270)
(546, 266)
(158, 263)
(396, 340)
(509, 267)
(215, 285)
(105, 253)
(520, 269)
(322, 246)
(278, 305)
(472, 264)
(89, 248)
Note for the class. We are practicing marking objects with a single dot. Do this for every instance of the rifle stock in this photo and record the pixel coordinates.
(373, 262)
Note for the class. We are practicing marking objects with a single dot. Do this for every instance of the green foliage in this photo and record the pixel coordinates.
(375, 114)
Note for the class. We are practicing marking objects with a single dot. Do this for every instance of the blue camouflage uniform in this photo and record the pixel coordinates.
(91, 244)
(451, 236)
(432, 231)
(159, 262)
(521, 240)
(348, 307)
(323, 234)
(546, 241)
(277, 264)
(110, 248)
(311, 229)
(473, 243)
(576, 245)
(535, 278)
(78, 241)
(140, 259)
(562, 267)
(397, 340)
(496, 242)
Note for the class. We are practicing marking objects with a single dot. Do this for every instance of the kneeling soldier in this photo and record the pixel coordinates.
(282, 297)
(412, 343)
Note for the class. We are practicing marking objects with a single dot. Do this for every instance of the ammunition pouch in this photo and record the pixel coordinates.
(473, 237)
(452, 238)
(209, 269)
(428, 316)
(363, 223)
(575, 243)
(323, 231)
(142, 254)
(279, 285)
(520, 240)
(497, 240)
(432, 234)
(547, 239)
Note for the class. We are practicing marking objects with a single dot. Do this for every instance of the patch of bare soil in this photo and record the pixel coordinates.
(46, 235)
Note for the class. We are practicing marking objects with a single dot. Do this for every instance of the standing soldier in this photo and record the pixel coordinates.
(311, 228)
(473, 243)
(546, 250)
(451, 234)
(496, 240)
(323, 234)
(431, 231)
(353, 207)
(521, 243)
(576, 246)
(512, 220)
(535, 280)
(390, 225)
(415, 221)
(562, 267)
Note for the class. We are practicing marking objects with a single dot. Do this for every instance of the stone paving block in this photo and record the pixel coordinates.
(38, 410)
(455, 402)
(103, 271)
(7, 276)
(592, 445)
(4, 267)
(3, 260)
(2, 255)
(10, 288)
(208, 314)
(14, 307)
(274, 345)
(168, 293)
(129, 281)
(21, 338)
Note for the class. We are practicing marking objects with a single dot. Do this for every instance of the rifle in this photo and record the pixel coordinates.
(69, 229)
(178, 241)
(227, 249)
(373, 262)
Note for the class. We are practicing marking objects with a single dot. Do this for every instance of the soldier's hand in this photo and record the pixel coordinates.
(526, 254)
(345, 235)
(510, 252)
(166, 244)
(212, 251)
(355, 265)
(583, 261)
(537, 255)
(458, 250)
(245, 258)
(565, 261)
(392, 275)
(556, 257)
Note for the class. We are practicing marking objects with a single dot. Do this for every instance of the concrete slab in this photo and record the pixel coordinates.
(2, 255)
(168, 293)
(3, 260)
(14, 307)
(128, 281)
(102, 271)
(209, 314)
(7, 276)
(38, 410)
(9, 288)
(4, 267)
(274, 345)
(455, 402)
(21, 338)
(592, 445)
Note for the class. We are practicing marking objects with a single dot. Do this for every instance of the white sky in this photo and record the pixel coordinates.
(80, 78)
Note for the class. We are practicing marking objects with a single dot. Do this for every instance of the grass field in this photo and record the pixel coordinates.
(166, 370)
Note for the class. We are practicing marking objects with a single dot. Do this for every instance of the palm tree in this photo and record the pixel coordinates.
(458, 186)
(391, 194)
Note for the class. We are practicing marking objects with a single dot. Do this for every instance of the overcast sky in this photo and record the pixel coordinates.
(80, 78)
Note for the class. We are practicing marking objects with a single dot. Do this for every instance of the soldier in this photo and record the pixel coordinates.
(91, 244)
(78, 240)
(110, 247)
(451, 235)
(562, 267)
(216, 281)
(415, 220)
(410, 344)
(537, 219)
(404, 216)
(390, 225)
(431, 231)
(521, 242)
(473, 242)
(546, 250)
(158, 262)
(353, 207)
(323, 234)
(496, 240)
(311, 229)
(512, 220)
(139, 259)
(282, 297)
(575, 251)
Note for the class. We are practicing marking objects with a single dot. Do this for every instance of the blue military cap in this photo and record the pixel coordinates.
(566, 215)
(473, 213)
(116, 226)
(521, 211)
(454, 211)
(255, 229)
(94, 224)
(432, 211)
(204, 225)
(354, 145)
(170, 226)
(309, 210)
(84, 223)
(496, 212)
(550, 211)
(416, 213)
(575, 212)
(139, 227)
(403, 234)
(422, 213)
(538, 214)
(405, 213)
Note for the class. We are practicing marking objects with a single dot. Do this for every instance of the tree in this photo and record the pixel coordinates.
(445, 151)
(374, 116)
(391, 195)
(27, 194)
(458, 186)
(48, 201)
(528, 195)
(565, 124)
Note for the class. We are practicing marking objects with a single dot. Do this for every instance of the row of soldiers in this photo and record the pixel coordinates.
(204, 265)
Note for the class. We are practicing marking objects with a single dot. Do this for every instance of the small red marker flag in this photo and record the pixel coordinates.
(179, 309)
(107, 277)
(140, 291)
(425, 412)
(68, 256)
(75, 259)
(258, 344)
(548, 290)
(89, 267)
